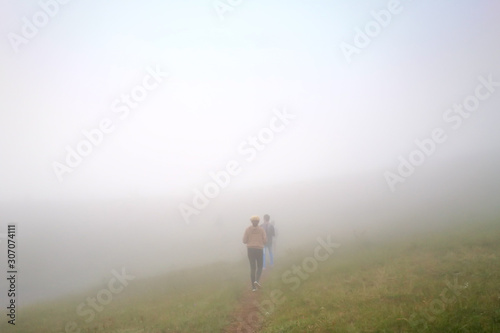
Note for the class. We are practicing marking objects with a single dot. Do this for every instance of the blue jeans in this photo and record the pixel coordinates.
(269, 249)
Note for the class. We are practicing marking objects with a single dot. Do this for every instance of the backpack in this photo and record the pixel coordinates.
(269, 231)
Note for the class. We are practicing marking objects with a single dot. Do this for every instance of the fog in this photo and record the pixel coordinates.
(144, 136)
(66, 247)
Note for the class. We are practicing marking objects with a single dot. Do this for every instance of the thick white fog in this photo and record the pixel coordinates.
(144, 135)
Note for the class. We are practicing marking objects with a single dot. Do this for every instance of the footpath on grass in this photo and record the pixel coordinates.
(247, 316)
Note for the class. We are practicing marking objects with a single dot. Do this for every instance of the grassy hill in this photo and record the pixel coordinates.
(191, 300)
(436, 282)
(446, 282)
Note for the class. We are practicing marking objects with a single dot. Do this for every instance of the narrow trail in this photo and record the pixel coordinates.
(246, 317)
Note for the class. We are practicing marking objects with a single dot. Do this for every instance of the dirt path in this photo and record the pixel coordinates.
(246, 317)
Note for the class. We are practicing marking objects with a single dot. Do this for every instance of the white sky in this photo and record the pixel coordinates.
(225, 78)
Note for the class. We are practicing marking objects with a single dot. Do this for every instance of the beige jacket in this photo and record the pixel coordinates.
(254, 237)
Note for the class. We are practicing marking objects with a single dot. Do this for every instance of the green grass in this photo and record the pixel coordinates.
(361, 287)
(378, 289)
(191, 300)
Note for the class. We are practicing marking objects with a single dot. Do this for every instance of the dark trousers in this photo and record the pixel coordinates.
(255, 258)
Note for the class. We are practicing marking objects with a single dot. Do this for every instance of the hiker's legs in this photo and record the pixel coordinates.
(264, 258)
(270, 253)
(253, 261)
(269, 250)
(260, 256)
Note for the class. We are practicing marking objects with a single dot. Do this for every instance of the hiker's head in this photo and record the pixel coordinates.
(255, 220)
(266, 218)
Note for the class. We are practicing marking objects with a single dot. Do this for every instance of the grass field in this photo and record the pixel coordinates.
(446, 282)
(437, 282)
(195, 300)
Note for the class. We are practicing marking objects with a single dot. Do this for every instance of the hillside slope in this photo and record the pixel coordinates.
(434, 282)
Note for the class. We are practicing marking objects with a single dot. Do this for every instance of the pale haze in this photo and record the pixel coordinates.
(339, 122)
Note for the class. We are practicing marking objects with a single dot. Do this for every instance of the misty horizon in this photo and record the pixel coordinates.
(143, 136)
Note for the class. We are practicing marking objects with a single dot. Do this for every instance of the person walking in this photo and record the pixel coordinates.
(255, 239)
(268, 247)
(275, 238)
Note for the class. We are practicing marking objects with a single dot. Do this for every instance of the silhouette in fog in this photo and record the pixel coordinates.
(273, 223)
(255, 239)
(268, 248)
